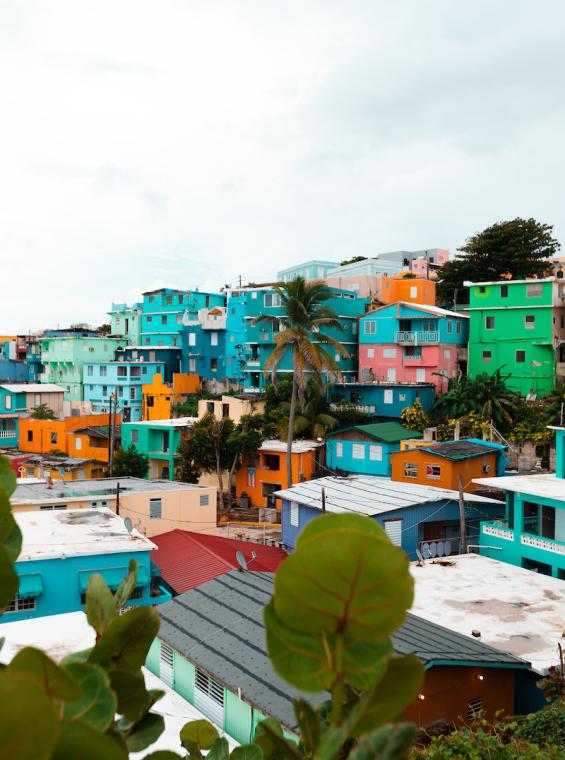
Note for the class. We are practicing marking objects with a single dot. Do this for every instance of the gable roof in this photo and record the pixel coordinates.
(433, 310)
(462, 449)
(188, 559)
(219, 627)
(387, 432)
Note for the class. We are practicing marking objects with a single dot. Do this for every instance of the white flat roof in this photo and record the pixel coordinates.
(32, 388)
(60, 635)
(49, 534)
(515, 610)
(174, 422)
(546, 485)
(369, 494)
(298, 447)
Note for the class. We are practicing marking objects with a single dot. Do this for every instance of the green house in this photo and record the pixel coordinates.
(518, 325)
(159, 440)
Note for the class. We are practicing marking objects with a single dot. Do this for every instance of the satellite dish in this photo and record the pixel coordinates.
(128, 523)
(241, 561)
(420, 557)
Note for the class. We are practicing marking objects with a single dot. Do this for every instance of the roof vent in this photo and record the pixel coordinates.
(476, 633)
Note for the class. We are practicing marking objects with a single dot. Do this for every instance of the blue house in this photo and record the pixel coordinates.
(63, 548)
(366, 449)
(168, 356)
(122, 378)
(12, 370)
(415, 517)
(383, 399)
(204, 344)
(166, 310)
(12, 406)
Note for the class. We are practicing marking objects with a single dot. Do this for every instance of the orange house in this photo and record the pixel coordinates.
(157, 400)
(441, 464)
(264, 472)
(46, 436)
(185, 384)
(409, 289)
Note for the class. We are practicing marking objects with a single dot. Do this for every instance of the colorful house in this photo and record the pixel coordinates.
(366, 449)
(363, 277)
(46, 436)
(315, 269)
(159, 440)
(204, 345)
(166, 310)
(264, 473)
(18, 401)
(519, 326)
(411, 343)
(168, 356)
(157, 400)
(408, 289)
(126, 321)
(381, 399)
(60, 467)
(234, 407)
(122, 380)
(415, 517)
(62, 549)
(532, 532)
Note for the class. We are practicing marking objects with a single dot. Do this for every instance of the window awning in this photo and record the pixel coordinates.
(113, 577)
(30, 585)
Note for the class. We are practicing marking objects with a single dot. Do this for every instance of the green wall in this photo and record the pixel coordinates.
(237, 718)
(152, 661)
(184, 673)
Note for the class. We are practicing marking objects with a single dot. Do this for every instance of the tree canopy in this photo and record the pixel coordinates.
(42, 412)
(514, 249)
(130, 462)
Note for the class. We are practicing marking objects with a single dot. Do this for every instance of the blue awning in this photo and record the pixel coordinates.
(113, 577)
(30, 585)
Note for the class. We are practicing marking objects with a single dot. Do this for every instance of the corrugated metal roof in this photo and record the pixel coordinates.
(462, 449)
(388, 432)
(32, 388)
(298, 447)
(369, 495)
(188, 559)
(219, 627)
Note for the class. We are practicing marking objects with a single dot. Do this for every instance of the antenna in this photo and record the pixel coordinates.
(241, 561)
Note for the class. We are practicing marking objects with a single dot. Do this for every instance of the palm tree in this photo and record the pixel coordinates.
(314, 420)
(304, 318)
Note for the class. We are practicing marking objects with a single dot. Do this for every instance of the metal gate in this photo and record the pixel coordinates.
(209, 697)
(166, 665)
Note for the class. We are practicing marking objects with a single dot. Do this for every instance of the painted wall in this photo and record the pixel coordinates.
(126, 320)
(42, 436)
(383, 399)
(230, 406)
(409, 364)
(14, 372)
(159, 443)
(449, 470)
(410, 290)
(185, 509)
(204, 351)
(371, 457)
(157, 400)
(250, 478)
(169, 357)
(165, 311)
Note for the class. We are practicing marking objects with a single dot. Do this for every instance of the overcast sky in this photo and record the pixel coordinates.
(185, 142)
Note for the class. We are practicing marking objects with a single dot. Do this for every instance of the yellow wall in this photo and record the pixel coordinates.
(89, 470)
(157, 400)
(238, 407)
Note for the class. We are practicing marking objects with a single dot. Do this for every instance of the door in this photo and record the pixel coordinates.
(209, 697)
(420, 375)
(166, 672)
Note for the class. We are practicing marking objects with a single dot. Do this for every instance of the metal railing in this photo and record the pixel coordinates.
(416, 337)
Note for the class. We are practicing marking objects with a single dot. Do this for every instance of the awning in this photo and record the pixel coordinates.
(113, 577)
(30, 585)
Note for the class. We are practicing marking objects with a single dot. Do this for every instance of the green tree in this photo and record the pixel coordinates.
(303, 320)
(414, 417)
(352, 260)
(517, 249)
(105, 329)
(245, 438)
(42, 412)
(130, 462)
(314, 419)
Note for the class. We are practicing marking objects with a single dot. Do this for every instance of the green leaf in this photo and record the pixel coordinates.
(144, 733)
(344, 576)
(331, 742)
(163, 754)
(220, 750)
(200, 733)
(79, 740)
(8, 579)
(126, 587)
(100, 604)
(98, 704)
(389, 696)
(7, 477)
(56, 683)
(309, 723)
(133, 698)
(386, 743)
(10, 534)
(29, 727)
(247, 752)
(125, 643)
(269, 736)
(81, 656)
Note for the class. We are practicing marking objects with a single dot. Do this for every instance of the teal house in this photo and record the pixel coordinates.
(63, 548)
(12, 405)
(532, 533)
(366, 449)
(159, 440)
(165, 311)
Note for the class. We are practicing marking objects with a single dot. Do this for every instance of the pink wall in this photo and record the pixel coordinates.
(364, 285)
(432, 360)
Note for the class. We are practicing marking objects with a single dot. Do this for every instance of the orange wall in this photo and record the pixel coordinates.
(447, 690)
(86, 451)
(185, 384)
(304, 464)
(450, 471)
(90, 470)
(43, 430)
(161, 395)
(395, 289)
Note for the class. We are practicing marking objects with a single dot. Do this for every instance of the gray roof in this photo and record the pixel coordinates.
(219, 627)
(370, 495)
(80, 489)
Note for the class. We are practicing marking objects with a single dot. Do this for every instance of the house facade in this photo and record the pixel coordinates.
(400, 287)
(234, 407)
(166, 310)
(316, 269)
(46, 436)
(159, 440)
(366, 449)
(168, 356)
(382, 399)
(126, 321)
(17, 401)
(405, 342)
(204, 345)
(519, 326)
(122, 380)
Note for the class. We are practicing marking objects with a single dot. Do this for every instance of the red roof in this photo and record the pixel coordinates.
(188, 559)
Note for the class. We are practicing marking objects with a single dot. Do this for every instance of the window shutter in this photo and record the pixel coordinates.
(393, 529)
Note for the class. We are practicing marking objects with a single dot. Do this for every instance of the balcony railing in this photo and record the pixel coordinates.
(547, 544)
(498, 531)
(363, 408)
(7, 433)
(415, 337)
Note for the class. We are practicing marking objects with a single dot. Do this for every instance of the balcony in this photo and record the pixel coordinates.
(497, 531)
(415, 337)
(546, 544)
(5, 434)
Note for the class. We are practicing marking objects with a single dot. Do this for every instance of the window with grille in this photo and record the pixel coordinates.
(489, 323)
(204, 500)
(294, 514)
(433, 471)
(18, 605)
(339, 449)
(530, 321)
(410, 470)
(358, 451)
(370, 327)
(534, 290)
(212, 688)
(474, 707)
(154, 509)
(376, 453)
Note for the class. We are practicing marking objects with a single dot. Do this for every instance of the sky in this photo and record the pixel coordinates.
(188, 142)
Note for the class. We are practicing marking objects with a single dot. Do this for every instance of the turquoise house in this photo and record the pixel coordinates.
(166, 310)
(63, 548)
(532, 533)
(384, 399)
(366, 449)
(159, 440)
(12, 405)
(123, 379)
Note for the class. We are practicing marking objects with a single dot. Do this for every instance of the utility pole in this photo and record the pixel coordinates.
(323, 501)
(463, 547)
(109, 436)
(111, 431)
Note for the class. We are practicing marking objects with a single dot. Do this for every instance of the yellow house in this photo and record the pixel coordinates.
(153, 506)
(234, 407)
(185, 384)
(157, 399)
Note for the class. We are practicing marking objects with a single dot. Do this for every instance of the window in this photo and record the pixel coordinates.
(337, 356)
(192, 365)
(375, 453)
(354, 328)
(104, 390)
(151, 299)
(358, 451)
(370, 327)
(420, 375)
(29, 436)
(520, 357)
(294, 514)
(410, 470)
(122, 371)
(269, 488)
(389, 353)
(504, 291)
(391, 374)
(458, 326)
(210, 407)
(530, 321)
(164, 319)
(393, 529)
(271, 462)
(90, 370)
(17, 604)
(474, 707)
(149, 319)
(446, 353)
(120, 391)
(489, 323)
(272, 299)
(204, 500)
(144, 371)
(136, 371)
(371, 353)
(254, 294)
(214, 365)
(155, 509)
(433, 471)
(413, 291)
(134, 436)
(449, 326)
(487, 356)
(214, 339)
(339, 449)
(103, 370)
(131, 394)
(105, 347)
(53, 438)
(191, 339)
(212, 689)
(534, 290)
(180, 298)
(8, 402)
(412, 352)
(168, 300)
(388, 398)
(78, 443)
(482, 289)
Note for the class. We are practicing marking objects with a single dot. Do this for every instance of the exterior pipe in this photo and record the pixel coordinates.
(482, 546)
